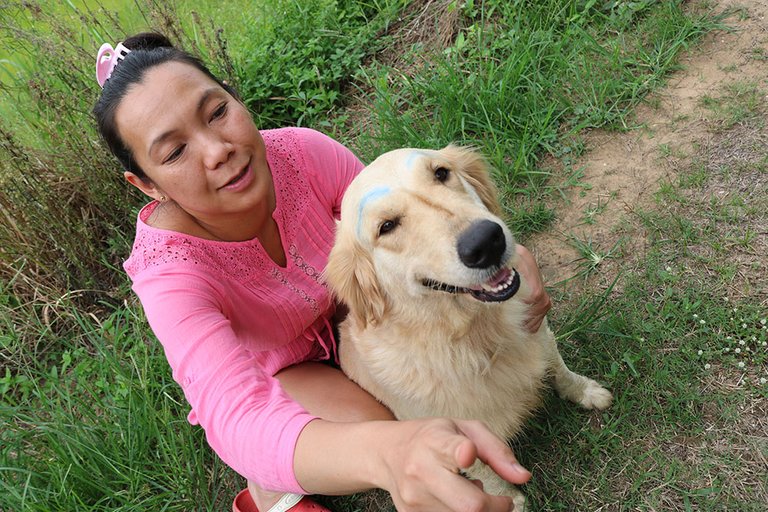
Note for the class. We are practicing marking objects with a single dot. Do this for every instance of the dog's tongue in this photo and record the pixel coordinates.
(502, 276)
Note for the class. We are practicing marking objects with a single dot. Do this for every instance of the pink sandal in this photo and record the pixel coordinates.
(293, 502)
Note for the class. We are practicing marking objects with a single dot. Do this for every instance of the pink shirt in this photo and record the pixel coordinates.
(229, 318)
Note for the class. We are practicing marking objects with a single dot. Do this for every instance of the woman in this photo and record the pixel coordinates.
(227, 262)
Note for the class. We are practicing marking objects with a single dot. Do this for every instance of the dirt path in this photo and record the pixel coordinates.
(622, 171)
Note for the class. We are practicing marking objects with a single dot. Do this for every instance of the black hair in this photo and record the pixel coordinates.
(148, 49)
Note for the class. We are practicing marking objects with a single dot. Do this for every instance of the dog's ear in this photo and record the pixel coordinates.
(474, 168)
(352, 278)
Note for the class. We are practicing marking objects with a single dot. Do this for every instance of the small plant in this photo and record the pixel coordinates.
(296, 68)
(593, 210)
(738, 344)
(739, 102)
(590, 257)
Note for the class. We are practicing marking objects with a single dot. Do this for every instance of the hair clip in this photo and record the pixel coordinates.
(107, 59)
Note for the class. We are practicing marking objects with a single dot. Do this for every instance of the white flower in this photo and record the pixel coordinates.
(765, 343)
(668, 269)
(695, 316)
(726, 299)
(741, 364)
(728, 338)
(702, 321)
(742, 342)
(737, 350)
(707, 366)
(763, 321)
(700, 352)
(763, 380)
(743, 326)
(727, 349)
(754, 338)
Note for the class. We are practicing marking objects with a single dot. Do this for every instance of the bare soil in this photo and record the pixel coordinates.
(675, 129)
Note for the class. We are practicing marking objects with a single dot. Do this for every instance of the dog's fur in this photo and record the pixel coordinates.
(440, 352)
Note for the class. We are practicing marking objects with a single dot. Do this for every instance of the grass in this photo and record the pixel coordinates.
(111, 428)
(683, 345)
(92, 419)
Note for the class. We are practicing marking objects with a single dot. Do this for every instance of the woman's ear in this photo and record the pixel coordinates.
(148, 187)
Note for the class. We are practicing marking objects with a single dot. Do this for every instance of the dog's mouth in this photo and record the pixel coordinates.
(502, 286)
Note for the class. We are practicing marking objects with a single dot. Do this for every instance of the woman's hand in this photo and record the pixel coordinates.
(538, 299)
(423, 466)
(417, 461)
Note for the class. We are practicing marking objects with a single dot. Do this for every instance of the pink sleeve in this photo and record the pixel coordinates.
(332, 165)
(248, 419)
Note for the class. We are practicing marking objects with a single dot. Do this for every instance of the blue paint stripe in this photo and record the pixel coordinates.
(369, 196)
(412, 158)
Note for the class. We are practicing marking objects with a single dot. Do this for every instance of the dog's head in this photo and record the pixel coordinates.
(421, 224)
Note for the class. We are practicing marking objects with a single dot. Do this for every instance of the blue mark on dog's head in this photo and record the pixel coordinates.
(369, 196)
(412, 158)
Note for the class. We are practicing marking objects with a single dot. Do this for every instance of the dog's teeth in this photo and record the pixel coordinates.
(499, 287)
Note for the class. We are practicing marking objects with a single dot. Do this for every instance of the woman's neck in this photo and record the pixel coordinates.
(258, 224)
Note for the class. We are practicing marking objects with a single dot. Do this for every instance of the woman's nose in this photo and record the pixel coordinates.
(217, 152)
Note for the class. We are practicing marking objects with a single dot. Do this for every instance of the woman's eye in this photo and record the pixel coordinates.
(442, 174)
(219, 112)
(387, 226)
(175, 154)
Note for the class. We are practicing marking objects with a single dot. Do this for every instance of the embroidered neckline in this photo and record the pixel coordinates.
(155, 246)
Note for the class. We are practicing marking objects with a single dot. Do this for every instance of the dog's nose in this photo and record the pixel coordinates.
(482, 244)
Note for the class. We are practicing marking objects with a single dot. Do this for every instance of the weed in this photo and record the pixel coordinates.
(739, 102)
(593, 210)
(103, 427)
(590, 257)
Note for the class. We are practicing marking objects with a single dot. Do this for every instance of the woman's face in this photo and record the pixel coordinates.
(197, 144)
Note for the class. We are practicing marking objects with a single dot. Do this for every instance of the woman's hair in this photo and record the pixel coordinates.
(148, 50)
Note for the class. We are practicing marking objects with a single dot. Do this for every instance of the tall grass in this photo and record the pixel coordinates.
(520, 76)
(106, 430)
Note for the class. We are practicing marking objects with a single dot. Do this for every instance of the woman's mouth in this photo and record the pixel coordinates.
(238, 178)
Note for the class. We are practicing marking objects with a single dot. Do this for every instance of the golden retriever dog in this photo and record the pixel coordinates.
(435, 326)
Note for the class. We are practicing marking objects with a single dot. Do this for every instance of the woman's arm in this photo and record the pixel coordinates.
(538, 299)
(249, 421)
(417, 461)
(331, 165)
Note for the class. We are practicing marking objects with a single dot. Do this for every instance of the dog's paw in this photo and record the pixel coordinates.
(595, 396)
(518, 502)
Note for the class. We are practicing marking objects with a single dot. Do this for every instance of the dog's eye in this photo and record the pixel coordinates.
(387, 226)
(442, 174)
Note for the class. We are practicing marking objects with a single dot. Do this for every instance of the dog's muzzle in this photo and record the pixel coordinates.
(482, 246)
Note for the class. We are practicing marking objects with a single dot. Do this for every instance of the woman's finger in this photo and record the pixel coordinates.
(459, 494)
(494, 452)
